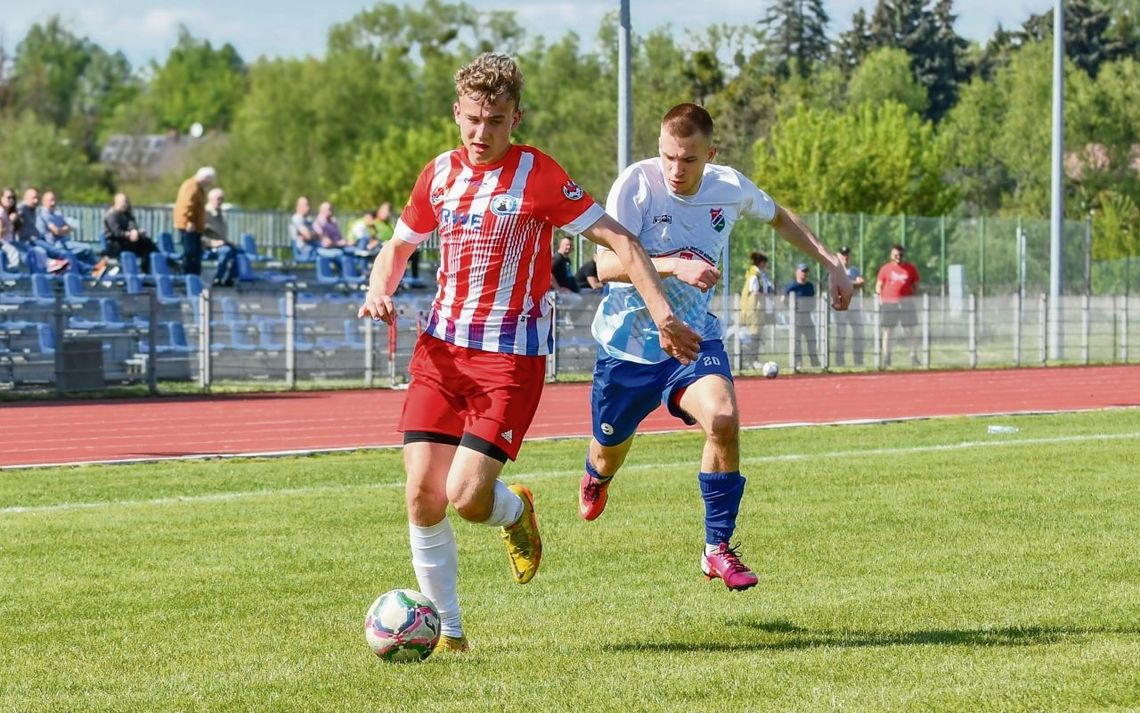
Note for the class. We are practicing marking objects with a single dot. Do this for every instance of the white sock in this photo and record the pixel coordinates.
(507, 509)
(709, 549)
(435, 558)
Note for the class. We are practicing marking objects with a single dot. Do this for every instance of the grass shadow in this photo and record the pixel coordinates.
(785, 636)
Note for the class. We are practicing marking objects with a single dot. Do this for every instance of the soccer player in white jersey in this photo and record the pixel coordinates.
(682, 208)
(478, 368)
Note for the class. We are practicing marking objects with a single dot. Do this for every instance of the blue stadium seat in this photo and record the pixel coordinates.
(159, 266)
(327, 273)
(166, 245)
(42, 291)
(353, 337)
(249, 246)
(271, 340)
(193, 286)
(164, 286)
(10, 274)
(350, 271)
(45, 337)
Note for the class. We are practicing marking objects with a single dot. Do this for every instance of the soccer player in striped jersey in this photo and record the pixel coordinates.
(478, 368)
(682, 208)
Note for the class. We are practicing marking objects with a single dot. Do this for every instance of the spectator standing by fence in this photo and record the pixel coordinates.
(190, 218)
(896, 286)
(853, 317)
(804, 291)
(754, 296)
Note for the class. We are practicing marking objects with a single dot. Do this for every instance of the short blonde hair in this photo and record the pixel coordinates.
(489, 77)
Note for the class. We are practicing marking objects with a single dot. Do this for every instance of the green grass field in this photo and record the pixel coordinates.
(911, 566)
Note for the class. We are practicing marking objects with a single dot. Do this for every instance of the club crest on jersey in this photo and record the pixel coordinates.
(664, 218)
(437, 195)
(716, 219)
(505, 204)
(572, 190)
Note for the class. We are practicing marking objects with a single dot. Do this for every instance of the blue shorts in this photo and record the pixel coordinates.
(625, 392)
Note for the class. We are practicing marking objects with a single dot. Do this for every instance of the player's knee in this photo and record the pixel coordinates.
(425, 504)
(464, 497)
(724, 427)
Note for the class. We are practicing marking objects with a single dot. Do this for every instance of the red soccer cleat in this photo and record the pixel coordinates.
(725, 564)
(592, 496)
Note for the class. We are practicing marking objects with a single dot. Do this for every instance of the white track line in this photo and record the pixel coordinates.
(321, 489)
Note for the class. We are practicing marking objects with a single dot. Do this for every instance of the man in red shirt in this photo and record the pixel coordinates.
(896, 286)
(479, 366)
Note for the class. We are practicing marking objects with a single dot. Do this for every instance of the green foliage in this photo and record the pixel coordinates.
(972, 130)
(796, 36)
(197, 83)
(871, 158)
(1087, 40)
(34, 153)
(1116, 227)
(885, 75)
(386, 170)
(46, 72)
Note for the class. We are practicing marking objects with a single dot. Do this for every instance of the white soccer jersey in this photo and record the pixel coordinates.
(693, 227)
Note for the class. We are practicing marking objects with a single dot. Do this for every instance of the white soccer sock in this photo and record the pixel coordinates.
(435, 558)
(507, 509)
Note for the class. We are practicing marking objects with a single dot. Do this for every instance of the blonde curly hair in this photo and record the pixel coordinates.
(489, 77)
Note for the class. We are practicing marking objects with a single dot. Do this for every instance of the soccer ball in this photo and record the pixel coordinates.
(770, 370)
(402, 625)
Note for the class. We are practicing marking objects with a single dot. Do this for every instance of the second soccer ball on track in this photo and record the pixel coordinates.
(770, 370)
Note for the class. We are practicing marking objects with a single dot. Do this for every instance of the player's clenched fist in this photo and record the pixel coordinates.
(377, 306)
(697, 273)
(678, 340)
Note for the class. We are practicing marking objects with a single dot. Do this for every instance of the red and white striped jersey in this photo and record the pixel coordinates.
(495, 226)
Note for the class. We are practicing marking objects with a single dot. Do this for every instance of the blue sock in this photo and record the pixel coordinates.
(594, 471)
(722, 493)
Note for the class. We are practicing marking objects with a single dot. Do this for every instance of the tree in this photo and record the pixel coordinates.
(1116, 227)
(854, 44)
(927, 34)
(871, 158)
(46, 71)
(796, 35)
(386, 170)
(196, 84)
(971, 130)
(885, 75)
(1087, 40)
(34, 153)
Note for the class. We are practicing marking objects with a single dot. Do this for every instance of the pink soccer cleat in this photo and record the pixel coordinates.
(725, 564)
(592, 496)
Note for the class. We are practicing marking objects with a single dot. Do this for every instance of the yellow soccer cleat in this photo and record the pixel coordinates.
(524, 546)
(453, 644)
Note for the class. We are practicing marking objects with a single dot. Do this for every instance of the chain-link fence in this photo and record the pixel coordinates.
(106, 337)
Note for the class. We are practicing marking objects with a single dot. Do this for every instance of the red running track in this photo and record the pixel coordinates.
(66, 432)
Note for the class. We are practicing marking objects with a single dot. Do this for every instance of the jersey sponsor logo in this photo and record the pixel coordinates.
(505, 204)
(688, 253)
(572, 190)
(716, 219)
(459, 219)
(664, 218)
(437, 195)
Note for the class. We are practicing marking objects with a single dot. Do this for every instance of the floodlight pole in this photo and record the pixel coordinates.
(1057, 216)
(625, 103)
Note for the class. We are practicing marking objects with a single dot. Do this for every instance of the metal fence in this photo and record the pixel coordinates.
(289, 338)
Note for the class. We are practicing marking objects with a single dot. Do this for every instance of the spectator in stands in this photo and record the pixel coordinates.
(8, 218)
(215, 238)
(54, 228)
(123, 233)
(24, 223)
(560, 267)
(305, 238)
(363, 231)
(587, 277)
(896, 285)
(329, 231)
(754, 297)
(804, 291)
(190, 218)
(853, 316)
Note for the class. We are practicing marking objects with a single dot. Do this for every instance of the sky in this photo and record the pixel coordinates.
(146, 31)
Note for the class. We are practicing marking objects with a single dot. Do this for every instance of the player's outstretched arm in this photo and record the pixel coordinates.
(677, 338)
(387, 271)
(791, 228)
(697, 273)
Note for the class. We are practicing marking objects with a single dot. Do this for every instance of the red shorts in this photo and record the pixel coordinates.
(457, 391)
